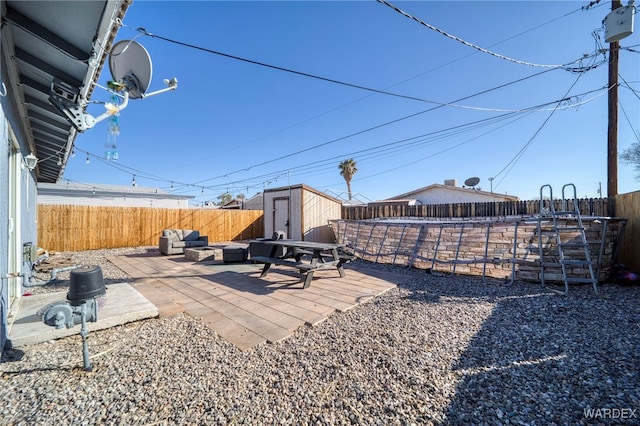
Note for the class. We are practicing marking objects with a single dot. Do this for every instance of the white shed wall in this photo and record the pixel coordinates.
(317, 211)
(293, 216)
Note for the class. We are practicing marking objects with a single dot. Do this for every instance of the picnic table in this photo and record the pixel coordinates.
(306, 256)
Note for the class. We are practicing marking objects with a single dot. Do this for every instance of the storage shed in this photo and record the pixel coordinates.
(300, 211)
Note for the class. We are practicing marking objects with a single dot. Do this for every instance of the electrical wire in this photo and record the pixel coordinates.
(360, 132)
(626, 116)
(279, 68)
(412, 78)
(326, 79)
(628, 86)
(439, 105)
(511, 164)
(383, 150)
(466, 43)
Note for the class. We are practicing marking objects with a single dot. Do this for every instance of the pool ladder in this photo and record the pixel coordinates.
(578, 248)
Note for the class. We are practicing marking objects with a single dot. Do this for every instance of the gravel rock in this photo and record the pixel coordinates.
(435, 350)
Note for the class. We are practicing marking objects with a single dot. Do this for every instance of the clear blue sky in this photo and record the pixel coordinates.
(449, 111)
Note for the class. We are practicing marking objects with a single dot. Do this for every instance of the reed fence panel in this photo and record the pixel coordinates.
(74, 228)
(588, 207)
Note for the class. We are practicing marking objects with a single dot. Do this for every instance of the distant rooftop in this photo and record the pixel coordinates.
(71, 187)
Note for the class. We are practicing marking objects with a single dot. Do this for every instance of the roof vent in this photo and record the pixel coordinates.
(450, 182)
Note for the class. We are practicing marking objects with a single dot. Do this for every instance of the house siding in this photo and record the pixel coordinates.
(459, 195)
(4, 232)
(20, 228)
(450, 194)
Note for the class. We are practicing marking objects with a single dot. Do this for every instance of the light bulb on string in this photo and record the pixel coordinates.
(59, 162)
(133, 182)
(87, 160)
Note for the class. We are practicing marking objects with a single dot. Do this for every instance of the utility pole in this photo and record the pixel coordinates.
(612, 132)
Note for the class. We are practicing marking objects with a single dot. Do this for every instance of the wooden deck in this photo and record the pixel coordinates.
(243, 308)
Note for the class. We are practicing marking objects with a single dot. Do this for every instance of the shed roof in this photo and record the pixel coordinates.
(306, 188)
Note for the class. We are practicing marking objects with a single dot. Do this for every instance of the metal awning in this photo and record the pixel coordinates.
(47, 41)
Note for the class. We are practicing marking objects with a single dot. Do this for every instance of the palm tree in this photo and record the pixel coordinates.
(347, 170)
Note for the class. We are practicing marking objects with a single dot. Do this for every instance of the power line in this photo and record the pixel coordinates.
(279, 68)
(383, 150)
(511, 164)
(360, 132)
(196, 185)
(466, 43)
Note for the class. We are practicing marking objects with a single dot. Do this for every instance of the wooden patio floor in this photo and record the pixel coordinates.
(243, 308)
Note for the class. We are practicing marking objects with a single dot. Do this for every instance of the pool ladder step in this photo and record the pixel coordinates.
(578, 244)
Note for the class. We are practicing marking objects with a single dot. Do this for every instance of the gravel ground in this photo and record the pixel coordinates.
(435, 350)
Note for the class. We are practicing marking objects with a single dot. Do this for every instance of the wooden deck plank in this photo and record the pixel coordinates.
(243, 308)
(265, 312)
(231, 331)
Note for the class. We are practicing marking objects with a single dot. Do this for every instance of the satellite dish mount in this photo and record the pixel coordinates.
(131, 70)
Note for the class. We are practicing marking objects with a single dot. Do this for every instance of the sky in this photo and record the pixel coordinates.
(277, 93)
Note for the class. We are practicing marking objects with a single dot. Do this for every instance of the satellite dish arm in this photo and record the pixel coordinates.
(112, 109)
(171, 85)
(66, 101)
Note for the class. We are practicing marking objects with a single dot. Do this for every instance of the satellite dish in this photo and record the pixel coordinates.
(130, 64)
(472, 181)
(131, 69)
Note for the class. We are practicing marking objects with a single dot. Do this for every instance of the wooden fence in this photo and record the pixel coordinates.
(74, 228)
(628, 206)
(588, 207)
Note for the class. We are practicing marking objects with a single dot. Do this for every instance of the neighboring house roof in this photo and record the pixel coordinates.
(90, 193)
(449, 193)
(65, 41)
(356, 199)
(254, 203)
(236, 203)
(395, 202)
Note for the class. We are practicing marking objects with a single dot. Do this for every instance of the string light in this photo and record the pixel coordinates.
(87, 160)
(133, 182)
(59, 162)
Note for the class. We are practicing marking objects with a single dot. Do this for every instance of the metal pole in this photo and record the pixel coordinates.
(84, 332)
(612, 132)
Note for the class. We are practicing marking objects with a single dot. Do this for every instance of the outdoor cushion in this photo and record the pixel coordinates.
(195, 243)
(172, 234)
(189, 235)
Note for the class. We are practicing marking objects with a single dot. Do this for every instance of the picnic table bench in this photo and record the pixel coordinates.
(305, 256)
